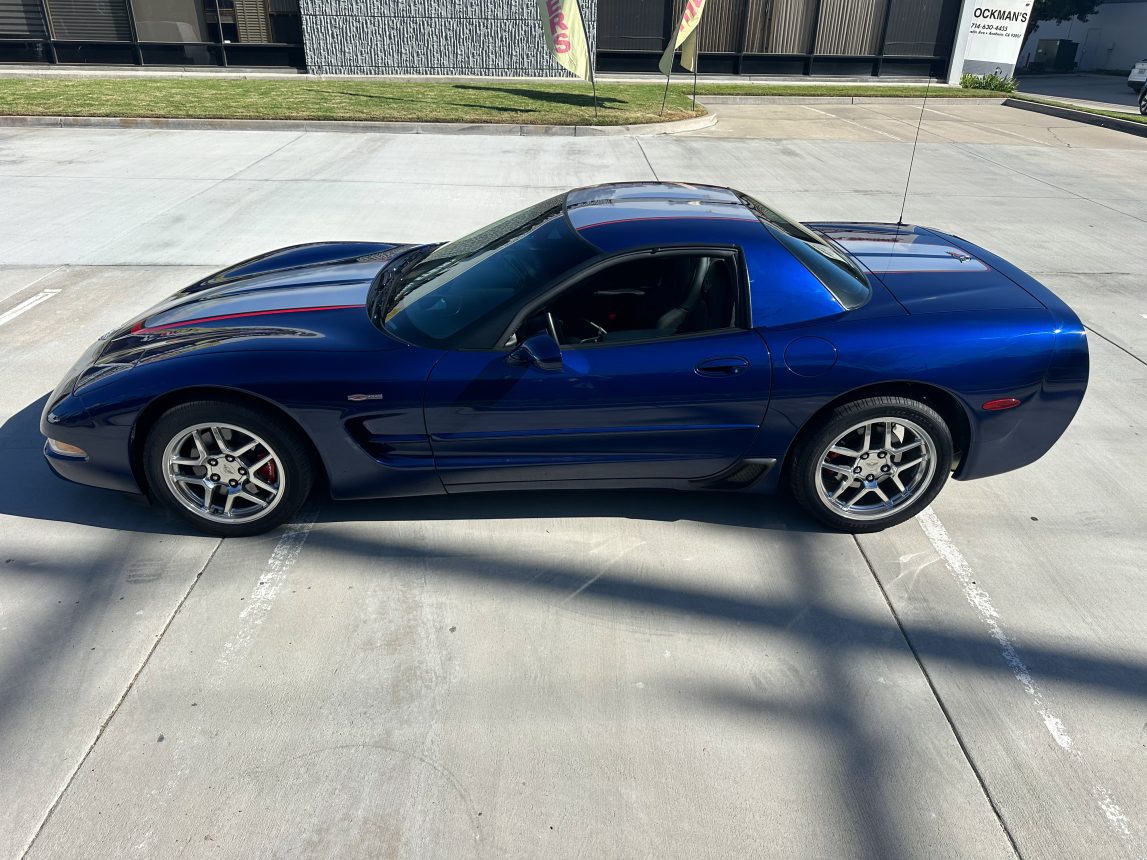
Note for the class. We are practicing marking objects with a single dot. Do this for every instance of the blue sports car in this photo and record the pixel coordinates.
(625, 335)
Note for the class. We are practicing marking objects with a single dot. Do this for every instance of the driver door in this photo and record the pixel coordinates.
(676, 390)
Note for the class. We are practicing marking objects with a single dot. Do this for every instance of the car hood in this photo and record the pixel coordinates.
(928, 271)
(293, 293)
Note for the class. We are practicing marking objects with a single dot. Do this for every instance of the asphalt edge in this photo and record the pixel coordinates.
(1126, 126)
(500, 129)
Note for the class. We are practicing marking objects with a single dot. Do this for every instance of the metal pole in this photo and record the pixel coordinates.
(49, 32)
(592, 61)
(813, 37)
(883, 38)
(743, 41)
(697, 58)
(134, 33)
(219, 30)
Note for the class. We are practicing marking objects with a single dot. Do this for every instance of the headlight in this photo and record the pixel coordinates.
(97, 372)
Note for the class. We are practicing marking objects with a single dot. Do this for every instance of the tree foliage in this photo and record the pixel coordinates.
(1059, 10)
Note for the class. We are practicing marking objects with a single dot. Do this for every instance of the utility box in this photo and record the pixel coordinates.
(1055, 55)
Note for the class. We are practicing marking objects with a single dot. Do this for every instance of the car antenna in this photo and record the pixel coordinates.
(912, 158)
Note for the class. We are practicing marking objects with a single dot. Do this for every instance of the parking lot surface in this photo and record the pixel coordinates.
(568, 674)
(1109, 92)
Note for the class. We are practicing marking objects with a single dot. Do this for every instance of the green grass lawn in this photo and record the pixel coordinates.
(1130, 117)
(475, 101)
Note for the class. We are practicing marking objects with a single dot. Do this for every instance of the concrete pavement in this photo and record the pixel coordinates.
(565, 674)
(1108, 92)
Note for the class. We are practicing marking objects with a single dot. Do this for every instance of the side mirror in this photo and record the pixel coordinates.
(541, 350)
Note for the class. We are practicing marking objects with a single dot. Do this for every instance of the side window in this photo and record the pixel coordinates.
(646, 298)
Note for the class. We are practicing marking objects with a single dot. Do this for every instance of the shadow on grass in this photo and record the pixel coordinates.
(495, 108)
(571, 99)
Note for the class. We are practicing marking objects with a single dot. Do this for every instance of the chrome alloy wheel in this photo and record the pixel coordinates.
(876, 468)
(223, 473)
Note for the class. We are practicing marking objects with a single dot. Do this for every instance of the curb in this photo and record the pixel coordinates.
(846, 100)
(1126, 126)
(352, 126)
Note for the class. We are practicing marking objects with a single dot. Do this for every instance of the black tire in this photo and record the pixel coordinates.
(288, 476)
(1143, 101)
(812, 483)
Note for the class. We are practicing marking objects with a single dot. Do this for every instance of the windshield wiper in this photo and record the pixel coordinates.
(391, 277)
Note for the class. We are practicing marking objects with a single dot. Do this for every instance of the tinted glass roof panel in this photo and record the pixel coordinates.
(630, 191)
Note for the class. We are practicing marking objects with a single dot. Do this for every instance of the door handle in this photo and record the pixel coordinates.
(727, 366)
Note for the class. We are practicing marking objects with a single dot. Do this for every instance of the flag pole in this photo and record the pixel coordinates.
(697, 59)
(665, 96)
(592, 62)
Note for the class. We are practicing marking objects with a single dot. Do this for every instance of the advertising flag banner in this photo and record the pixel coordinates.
(685, 38)
(995, 33)
(565, 35)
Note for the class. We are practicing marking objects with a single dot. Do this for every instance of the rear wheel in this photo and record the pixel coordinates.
(1143, 100)
(872, 463)
(227, 468)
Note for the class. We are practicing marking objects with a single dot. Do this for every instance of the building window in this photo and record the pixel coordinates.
(90, 20)
(152, 32)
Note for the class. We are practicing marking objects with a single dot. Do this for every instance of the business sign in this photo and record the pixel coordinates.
(565, 35)
(995, 33)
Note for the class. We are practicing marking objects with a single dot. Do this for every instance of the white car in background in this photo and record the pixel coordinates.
(1138, 76)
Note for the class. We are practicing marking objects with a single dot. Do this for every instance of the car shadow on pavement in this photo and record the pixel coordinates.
(22, 461)
(775, 513)
(32, 490)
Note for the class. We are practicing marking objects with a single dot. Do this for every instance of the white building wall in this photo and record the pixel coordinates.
(1114, 38)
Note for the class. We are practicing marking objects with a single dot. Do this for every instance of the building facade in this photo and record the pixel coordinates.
(481, 37)
(1114, 39)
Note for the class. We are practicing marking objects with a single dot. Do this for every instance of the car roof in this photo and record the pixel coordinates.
(643, 201)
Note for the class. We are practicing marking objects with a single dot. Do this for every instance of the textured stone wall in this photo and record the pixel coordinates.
(430, 37)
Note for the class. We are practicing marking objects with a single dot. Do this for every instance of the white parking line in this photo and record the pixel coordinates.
(283, 558)
(946, 548)
(853, 122)
(942, 113)
(26, 305)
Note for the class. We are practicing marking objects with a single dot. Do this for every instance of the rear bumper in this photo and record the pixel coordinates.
(1004, 441)
(1014, 439)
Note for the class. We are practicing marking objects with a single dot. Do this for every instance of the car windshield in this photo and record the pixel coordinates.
(465, 293)
(832, 267)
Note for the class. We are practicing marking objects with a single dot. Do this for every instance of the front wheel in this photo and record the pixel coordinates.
(872, 463)
(229, 469)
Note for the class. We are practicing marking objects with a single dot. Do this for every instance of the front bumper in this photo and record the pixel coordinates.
(107, 447)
